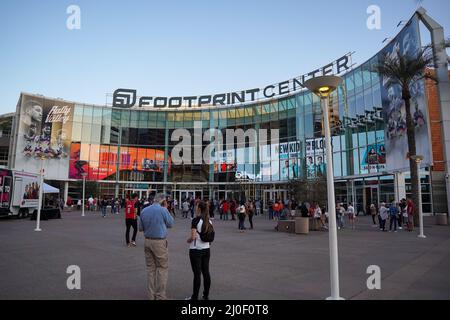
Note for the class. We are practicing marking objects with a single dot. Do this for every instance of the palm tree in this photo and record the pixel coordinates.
(405, 70)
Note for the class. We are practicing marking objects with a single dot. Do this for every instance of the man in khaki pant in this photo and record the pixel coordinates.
(154, 221)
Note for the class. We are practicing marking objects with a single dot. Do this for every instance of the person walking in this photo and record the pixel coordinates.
(250, 213)
(241, 217)
(351, 215)
(258, 207)
(199, 251)
(131, 220)
(403, 215)
(91, 203)
(233, 206)
(210, 209)
(276, 210)
(318, 217)
(383, 216)
(373, 213)
(393, 213)
(185, 207)
(226, 209)
(192, 207)
(103, 205)
(154, 221)
(340, 215)
(113, 203)
(410, 212)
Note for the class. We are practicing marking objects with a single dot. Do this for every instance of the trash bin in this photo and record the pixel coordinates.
(441, 219)
(302, 225)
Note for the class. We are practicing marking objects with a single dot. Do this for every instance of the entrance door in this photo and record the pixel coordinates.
(186, 194)
(223, 194)
(370, 196)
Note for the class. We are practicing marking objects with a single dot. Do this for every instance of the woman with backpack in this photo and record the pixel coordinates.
(202, 234)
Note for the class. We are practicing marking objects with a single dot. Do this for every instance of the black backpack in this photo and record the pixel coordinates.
(207, 236)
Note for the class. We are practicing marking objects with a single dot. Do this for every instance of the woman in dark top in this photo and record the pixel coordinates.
(211, 209)
(199, 251)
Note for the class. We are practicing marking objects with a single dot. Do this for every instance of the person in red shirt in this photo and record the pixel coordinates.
(276, 210)
(410, 211)
(225, 209)
(131, 220)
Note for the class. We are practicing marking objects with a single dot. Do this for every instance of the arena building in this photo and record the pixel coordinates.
(125, 146)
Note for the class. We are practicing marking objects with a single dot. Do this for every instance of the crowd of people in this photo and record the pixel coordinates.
(155, 214)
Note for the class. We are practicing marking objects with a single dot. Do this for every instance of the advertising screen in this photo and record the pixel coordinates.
(101, 161)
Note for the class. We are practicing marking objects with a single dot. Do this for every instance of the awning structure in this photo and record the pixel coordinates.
(49, 189)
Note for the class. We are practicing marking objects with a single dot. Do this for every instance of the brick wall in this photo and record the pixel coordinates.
(435, 118)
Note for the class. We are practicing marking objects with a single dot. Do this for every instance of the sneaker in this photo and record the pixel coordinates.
(133, 243)
(400, 228)
(128, 245)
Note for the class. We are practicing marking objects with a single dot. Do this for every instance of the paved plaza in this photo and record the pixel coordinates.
(257, 264)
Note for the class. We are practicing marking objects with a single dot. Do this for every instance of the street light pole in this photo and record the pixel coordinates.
(84, 188)
(323, 87)
(418, 160)
(41, 186)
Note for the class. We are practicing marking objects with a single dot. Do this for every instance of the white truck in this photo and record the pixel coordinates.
(19, 193)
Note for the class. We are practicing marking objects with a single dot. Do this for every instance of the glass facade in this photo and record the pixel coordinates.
(133, 149)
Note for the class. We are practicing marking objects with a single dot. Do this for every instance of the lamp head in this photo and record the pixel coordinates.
(323, 86)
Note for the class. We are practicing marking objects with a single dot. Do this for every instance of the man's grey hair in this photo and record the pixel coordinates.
(159, 198)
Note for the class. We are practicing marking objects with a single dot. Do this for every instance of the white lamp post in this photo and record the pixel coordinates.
(323, 87)
(418, 160)
(41, 186)
(84, 174)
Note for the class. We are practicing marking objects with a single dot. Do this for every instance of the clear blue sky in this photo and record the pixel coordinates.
(189, 47)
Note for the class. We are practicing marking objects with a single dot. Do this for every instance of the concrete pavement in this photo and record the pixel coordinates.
(257, 264)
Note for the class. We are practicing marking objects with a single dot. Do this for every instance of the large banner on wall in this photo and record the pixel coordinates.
(289, 160)
(44, 134)
(315, 158)
(99, 162)
(407, 42)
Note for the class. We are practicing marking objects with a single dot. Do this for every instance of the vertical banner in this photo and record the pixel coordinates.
(315, 158)
(44, 133)
(407, 42)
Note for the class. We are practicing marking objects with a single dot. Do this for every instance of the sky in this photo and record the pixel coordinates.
(181, 48)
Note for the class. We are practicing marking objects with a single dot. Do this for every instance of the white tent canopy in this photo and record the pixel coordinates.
(49, 189)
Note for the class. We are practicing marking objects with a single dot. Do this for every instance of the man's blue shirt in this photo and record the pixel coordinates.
(154, 221)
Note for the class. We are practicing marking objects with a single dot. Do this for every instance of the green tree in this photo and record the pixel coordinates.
(405, 70)
(309, 190)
